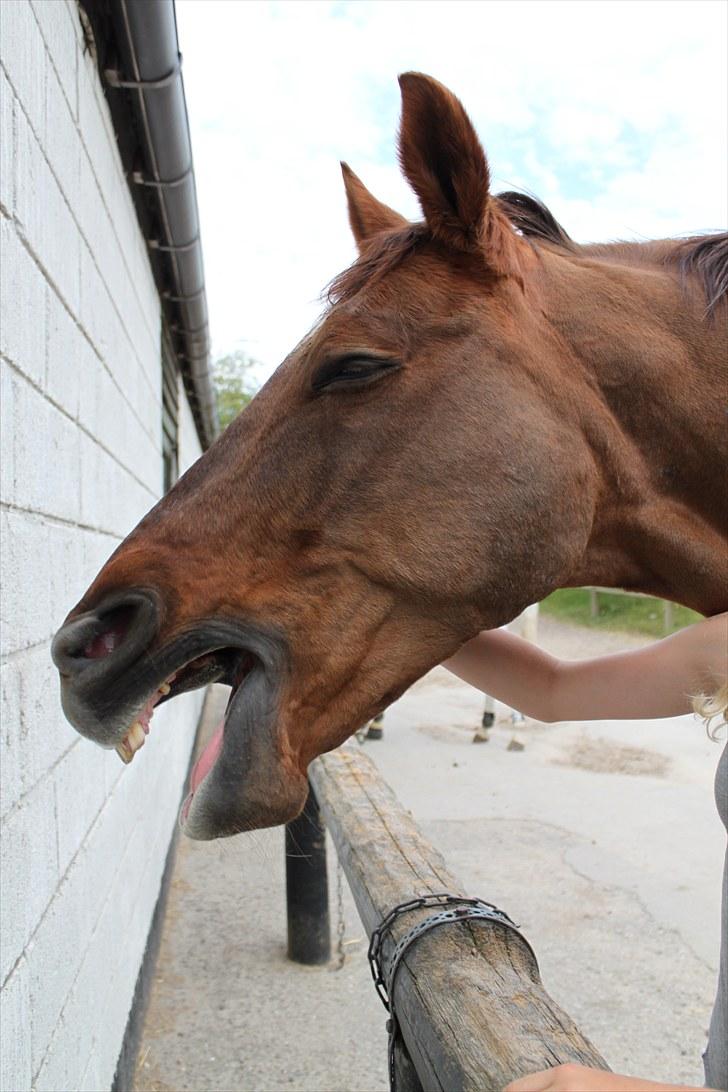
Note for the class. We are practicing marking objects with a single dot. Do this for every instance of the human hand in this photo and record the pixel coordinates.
(580, 1078)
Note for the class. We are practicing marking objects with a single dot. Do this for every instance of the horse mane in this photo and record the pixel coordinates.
(706, 256)
(531, 217)
(701, 256)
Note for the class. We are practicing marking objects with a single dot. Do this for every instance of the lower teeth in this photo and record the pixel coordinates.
(132, 741)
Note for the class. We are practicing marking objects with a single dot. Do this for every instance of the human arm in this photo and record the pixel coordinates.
(656, 681)
(579, 1078)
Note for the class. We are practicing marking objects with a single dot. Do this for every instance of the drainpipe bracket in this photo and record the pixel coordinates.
(114, 79)
(154, 244)
(161, 183)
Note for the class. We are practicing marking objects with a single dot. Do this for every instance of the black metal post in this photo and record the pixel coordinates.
(307, 887)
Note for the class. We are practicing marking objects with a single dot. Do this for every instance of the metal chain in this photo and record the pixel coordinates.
(340, 919)
(451, 908)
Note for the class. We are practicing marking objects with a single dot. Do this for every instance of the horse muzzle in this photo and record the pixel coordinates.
(115, 670)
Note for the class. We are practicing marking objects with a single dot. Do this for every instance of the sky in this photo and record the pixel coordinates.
(613, 112)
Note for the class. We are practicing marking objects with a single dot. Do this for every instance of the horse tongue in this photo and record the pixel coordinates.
(204, 764)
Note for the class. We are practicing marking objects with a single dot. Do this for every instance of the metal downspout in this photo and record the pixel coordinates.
(152, 76)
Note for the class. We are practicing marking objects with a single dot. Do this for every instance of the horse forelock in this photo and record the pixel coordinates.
(384, 253)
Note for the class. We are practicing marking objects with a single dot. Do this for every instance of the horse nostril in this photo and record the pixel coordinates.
(108, 640)
(120, 628)
(101, 646)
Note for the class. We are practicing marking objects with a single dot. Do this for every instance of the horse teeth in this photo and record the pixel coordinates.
(124, 751)
(164, 689)
(132, 741)
(136, 736)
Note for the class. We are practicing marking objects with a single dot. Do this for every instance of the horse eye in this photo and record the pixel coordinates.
(352, 370)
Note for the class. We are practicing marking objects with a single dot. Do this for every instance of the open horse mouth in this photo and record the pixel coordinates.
(115, 673)
(229, 666)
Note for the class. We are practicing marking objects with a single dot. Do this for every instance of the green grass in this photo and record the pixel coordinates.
(616, 612)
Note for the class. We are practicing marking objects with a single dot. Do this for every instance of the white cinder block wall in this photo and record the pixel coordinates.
(84, 839)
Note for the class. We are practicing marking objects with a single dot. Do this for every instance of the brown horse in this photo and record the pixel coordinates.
(486, 412)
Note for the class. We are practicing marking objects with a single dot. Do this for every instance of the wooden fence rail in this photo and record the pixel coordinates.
(472, 1010)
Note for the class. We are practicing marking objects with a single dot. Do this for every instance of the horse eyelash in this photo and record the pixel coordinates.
(332, 369)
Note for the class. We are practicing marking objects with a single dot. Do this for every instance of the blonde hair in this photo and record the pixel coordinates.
(713, 708)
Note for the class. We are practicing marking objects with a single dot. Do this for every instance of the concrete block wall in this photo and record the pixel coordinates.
(84, 839)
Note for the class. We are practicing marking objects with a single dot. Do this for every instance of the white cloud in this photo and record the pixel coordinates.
(612, 112)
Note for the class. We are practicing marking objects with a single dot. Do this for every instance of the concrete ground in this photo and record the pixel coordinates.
(601, 840)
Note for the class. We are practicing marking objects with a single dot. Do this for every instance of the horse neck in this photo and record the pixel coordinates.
(650, 369)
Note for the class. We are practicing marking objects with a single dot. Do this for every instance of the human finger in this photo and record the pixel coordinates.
(533, 1082)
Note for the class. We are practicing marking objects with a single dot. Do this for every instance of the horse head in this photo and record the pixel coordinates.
(415, 471)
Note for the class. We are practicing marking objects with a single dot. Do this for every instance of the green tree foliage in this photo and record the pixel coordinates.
(235, 384)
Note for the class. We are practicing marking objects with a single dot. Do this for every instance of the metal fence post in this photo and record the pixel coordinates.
(307, 888)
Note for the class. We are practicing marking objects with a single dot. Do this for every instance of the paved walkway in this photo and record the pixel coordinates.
(601, 840)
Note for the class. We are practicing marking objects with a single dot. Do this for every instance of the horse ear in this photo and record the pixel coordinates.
(367, 216)
(444, 162)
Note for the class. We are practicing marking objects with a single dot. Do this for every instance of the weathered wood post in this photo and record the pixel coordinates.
(307, 887)
(471, 1008)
